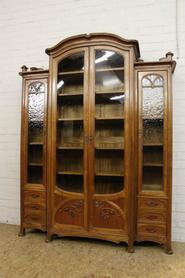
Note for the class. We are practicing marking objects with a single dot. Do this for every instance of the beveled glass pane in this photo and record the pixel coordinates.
(109, 122)
(70, 126)
(108, 59)
(74, 62)
(153, 125)
(36, 96)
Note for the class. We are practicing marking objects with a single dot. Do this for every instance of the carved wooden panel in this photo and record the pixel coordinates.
(70, 212)
(107, 214)
(152, 203)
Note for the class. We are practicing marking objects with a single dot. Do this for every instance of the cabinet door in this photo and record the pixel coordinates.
(153, 131)
(70, 137)
(109, 127)
(34, 121)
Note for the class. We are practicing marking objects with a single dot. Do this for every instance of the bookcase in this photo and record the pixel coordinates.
(96, 142)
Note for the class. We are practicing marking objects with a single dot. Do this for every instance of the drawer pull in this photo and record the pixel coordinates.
(34, 207)
(152, 204)
(152, 217)
(151, 230)
(35, 196)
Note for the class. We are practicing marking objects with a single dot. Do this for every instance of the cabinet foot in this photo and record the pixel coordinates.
(168, 249)
(22, 232)
(48, 238)
(130, 249)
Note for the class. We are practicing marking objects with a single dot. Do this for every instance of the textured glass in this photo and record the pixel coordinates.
(70, 127)
(153, 102)
(109, 122)
(35, 131)
(153, 132)
(152, 80)
(36, 109)
(36, 88)
(152, 114)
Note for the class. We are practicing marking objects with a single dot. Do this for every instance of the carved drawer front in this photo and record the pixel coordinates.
(33, 207)
(145, 216)
(152, 203)
(38, 197)
(152, 230)
(35, 218)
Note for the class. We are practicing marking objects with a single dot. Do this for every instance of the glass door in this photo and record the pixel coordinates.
(36, 127)
(109, 133)
(152, 137)
(70, 124)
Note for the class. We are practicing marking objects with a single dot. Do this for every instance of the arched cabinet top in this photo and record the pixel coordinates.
(93, 39)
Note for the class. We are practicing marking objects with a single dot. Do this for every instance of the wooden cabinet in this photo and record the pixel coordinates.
(100, 153)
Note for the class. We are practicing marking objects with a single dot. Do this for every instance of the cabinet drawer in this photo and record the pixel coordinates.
(152, 203)
(35, 218)
(147, 216)
(34, 207)
(151, 230)
(35, 197)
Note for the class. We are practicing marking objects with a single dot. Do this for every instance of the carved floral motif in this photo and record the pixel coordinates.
(105, 212)
(74, 209)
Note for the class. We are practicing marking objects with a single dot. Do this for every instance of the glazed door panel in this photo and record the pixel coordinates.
(109, 149)
(70, 135)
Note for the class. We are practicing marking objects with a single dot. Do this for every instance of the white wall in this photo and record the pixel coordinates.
(28, 27)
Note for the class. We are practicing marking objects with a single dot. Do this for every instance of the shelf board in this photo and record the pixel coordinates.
(69, 94)
(152, 144)
(69, 119)
(151, 119)
(153, 164)
(109, 118)
(35, 164)
(71, 72)
(69, 173)
(111, 148)
(110, 92)
(110, 69)
(35, 143)
(100, 174)
(152, 187)
(69, 148)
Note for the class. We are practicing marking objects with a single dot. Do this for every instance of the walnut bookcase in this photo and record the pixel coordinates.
(96, 142)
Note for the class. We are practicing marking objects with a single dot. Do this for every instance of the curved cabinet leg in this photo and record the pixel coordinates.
(48, 238)
(131, 249)
(22, 231)
(168, 249)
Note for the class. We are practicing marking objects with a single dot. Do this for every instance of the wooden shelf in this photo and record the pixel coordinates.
(152, 187)
(152, 144)
(69, 148)
(70, 72)
(109, 174)
(68, 119)
(69, 173)
(69, 94)
(110, 69)
(35, 143)
(110, 92)
(35, 164)
(111, 148)
(153, 164)
(109, 118)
